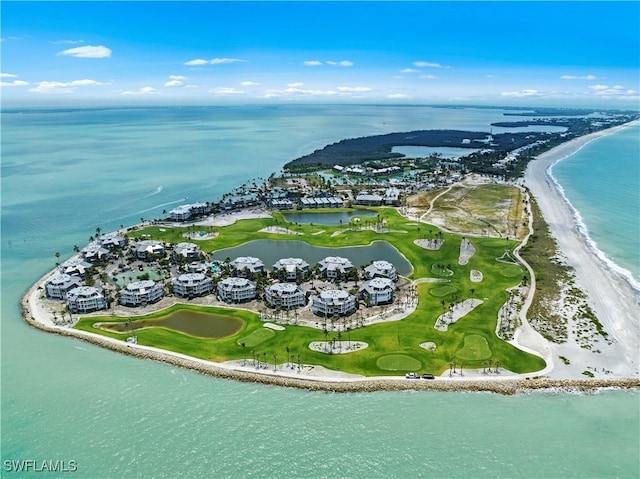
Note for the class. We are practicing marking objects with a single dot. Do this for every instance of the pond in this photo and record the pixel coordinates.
(270, 251)
(193, 323)
(327, 218)
(425, 151)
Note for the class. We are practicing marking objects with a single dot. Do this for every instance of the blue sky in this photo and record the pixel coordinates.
(546, 53)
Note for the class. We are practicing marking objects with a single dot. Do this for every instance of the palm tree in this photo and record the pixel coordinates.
(244, 358)
(275, 362)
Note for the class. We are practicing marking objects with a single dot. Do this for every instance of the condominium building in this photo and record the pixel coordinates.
(236, 290)
(244, 265)
(377, 291)
(60, 284)
(140, 293)
(380, 269)
(285, 295)
(112, 240)
(74, 267)
(192, 285)
(85, 299)
(186, 251)
(333, 267)
(149, 249)
(291, 269)
(333, 302)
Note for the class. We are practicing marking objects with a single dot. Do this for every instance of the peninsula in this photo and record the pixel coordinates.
(364, 280)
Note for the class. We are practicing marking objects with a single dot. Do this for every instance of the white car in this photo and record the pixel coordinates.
(411, 376)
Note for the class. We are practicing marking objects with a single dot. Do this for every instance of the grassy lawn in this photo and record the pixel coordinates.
(394, 347)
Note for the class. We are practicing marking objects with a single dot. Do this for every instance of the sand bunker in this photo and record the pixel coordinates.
(466, 251)
(337, 347)
(429, 346)
(458, 311)
(475, 276)
(433, 244)
(279, 230)
(275, 327)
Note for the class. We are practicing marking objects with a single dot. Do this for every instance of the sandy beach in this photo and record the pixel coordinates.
(610, 295)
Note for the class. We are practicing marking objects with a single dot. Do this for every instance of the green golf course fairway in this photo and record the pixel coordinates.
(393, 346)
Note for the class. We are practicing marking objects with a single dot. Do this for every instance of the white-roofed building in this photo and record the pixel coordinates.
(94, 252)
(391, 196)
(333, 302)
(184, 212)
(291, 269)
(333, 267)
(112, 240)
(380, 269)
(368, 199)
(186, 251)
(74, 266)
(244, 265)
(60, 284)
(236, 290)
(149, 249)
(85, 299)
(192, 284)
(377, 291)
(285, 295)
(140, 293)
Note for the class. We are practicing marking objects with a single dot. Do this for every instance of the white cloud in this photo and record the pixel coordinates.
(88, 51)
(616, 91)
(410, 70)
(295, 84)
(226, 91)
(177, 77)
(58, 87)
(147, 90)
(429, 77)
(220, 61)
(312, 63)
(343, 63)
(174, 83)
(197, 62)
(354, 89)
(67, 42)
(396, 95)
(13, 83)
(421, 64)
(598, 87)
(8, 75)
(521, 93)
(578, 77)
(249, 83)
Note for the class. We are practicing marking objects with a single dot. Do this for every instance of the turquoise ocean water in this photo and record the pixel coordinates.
(602, 182)
(66, 172)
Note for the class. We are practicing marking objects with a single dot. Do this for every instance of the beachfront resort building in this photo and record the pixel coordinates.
(284, 295)
(85, 299)
(141, 293)
(60, 284)
(183, 251)
(190, 285)
(367, 199)
(377, 291)
(148, 250)
(94, 252)
(335, 267)
(245, 265)
(380, 269)
(184, 212)
(74, 267)
(333, 302)
(291, 269)
(112, 240)
(236, 290)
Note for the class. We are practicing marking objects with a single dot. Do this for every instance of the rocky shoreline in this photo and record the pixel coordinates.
(502, 386)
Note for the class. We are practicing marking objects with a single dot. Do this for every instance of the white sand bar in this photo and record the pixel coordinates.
(466, 251)
(611, 296)
(459, 310)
